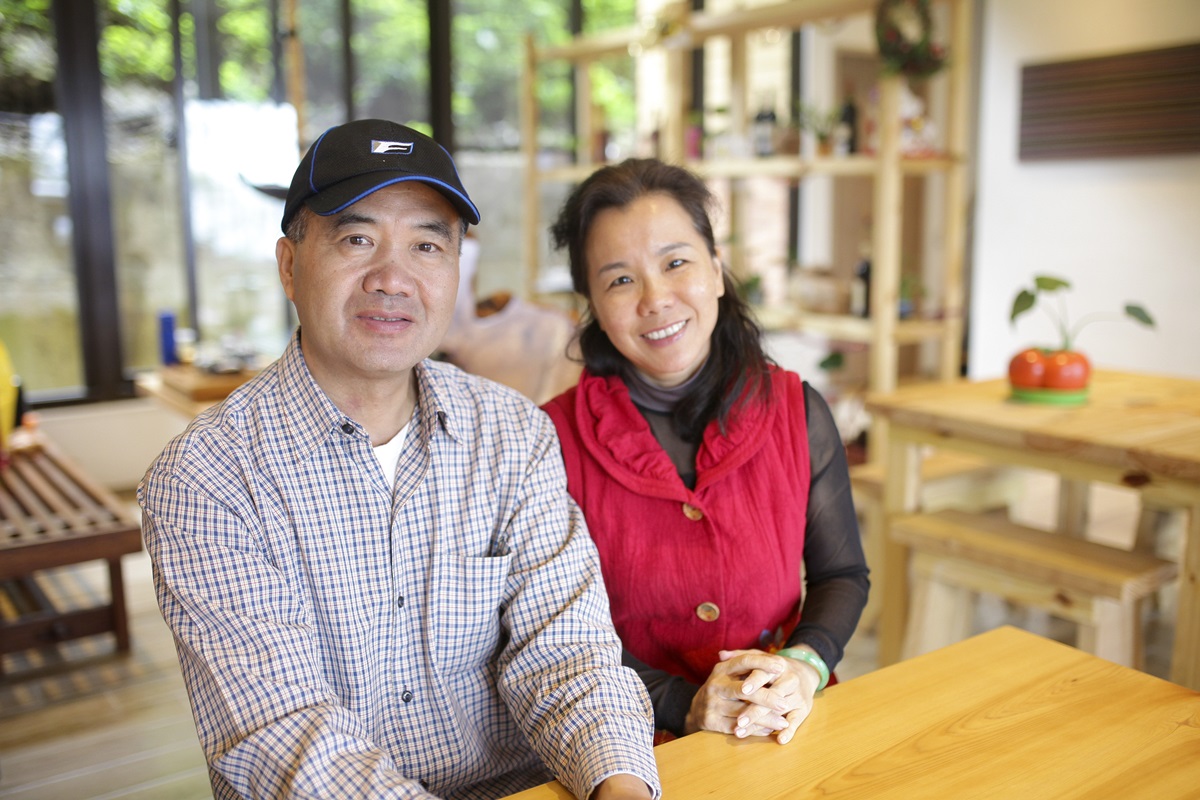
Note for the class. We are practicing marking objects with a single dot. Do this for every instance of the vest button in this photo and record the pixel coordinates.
(692, 513)
(708, 612)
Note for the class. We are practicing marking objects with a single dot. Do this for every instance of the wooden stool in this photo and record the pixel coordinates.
(948, 480)
(957, 554)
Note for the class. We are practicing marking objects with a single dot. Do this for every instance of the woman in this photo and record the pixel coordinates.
(713, 482)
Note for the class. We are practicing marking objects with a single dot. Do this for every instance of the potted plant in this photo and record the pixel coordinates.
(821, 123)
(1057, 374)
(911, 291)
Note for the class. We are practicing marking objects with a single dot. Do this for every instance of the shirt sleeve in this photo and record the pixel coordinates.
(269, 723)
(561, 675)
(835, 568)
(670, 695)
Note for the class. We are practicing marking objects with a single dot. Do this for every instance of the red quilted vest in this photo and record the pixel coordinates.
(691, 572)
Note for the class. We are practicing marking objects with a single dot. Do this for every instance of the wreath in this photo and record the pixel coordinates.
(903, 32)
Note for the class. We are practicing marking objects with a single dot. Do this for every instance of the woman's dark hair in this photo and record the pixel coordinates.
(737, 369)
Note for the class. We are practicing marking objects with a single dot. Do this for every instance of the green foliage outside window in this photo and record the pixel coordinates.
(389, 41)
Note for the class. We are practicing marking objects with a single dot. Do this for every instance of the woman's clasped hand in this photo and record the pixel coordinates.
(753, 693)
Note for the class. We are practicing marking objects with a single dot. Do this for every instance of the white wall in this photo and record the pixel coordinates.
(1119, 229)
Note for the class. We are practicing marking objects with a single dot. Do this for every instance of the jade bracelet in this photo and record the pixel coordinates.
(812, 659)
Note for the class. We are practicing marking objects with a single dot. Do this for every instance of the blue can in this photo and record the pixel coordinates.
(166, 337)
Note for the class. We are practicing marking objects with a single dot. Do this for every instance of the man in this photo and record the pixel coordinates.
(376, 581)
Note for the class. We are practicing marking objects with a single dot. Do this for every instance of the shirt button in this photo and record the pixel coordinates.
(400, 601)
(692, 513)
(407, 696)
(347, 428)
(708, 612)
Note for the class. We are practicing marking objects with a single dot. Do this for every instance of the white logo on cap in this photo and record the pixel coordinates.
(403, 148)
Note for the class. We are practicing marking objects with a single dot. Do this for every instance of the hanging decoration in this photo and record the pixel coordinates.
(669, 28)
(904, 32)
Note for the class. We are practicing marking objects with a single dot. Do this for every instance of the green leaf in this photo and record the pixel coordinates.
(1140, 314)
(1046, 283)
(833, 361)
(1022, 303)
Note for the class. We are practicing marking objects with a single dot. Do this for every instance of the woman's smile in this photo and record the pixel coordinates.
(663, 333)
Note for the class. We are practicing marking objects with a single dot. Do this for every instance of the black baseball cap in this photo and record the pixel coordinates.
(350, 161)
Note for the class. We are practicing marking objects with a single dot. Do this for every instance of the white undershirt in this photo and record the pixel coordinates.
(388, 454)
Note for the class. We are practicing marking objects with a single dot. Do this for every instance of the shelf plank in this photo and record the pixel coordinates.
(793, 167)
(790, 15)
(846, 327)
(613, 42)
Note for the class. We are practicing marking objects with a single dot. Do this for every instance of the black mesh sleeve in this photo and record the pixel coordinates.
(835, 568)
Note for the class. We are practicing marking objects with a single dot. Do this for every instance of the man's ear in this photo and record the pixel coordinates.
(285, 257)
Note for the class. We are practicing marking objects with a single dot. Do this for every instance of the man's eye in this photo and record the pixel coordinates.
(427, 247)
(356, 239)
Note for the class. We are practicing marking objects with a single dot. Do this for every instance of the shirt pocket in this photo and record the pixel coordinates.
(466, 621)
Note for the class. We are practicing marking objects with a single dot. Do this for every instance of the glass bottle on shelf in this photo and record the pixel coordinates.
(847, 131)
(860, 289)
(764, 130)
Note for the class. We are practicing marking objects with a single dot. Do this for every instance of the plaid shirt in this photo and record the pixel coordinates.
(343, 637)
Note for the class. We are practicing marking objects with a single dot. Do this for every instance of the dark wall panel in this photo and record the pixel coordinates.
(1142, 103)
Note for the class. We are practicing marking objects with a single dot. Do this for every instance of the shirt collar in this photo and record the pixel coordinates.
(312, 418)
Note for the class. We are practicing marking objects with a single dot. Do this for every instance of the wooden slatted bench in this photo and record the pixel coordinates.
(957, 554)
(948, 480)
(52, 514)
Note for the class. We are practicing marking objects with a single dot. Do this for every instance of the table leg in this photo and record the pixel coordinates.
(900, 490)
(1073, 507)
(1185, 654)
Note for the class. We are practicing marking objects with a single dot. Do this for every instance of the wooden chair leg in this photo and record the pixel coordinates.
(120, 616)
(942, 613)
(871, 515)
(1117, 632)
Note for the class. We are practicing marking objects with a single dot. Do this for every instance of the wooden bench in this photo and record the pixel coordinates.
(52, 514)
(956, 555)
(948, 480)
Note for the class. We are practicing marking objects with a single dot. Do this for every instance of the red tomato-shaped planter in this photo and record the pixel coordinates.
(1049, 376)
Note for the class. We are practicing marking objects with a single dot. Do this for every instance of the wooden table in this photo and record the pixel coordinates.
(1137, 431)
(187, 389)
(52, 514)
(1006, 714)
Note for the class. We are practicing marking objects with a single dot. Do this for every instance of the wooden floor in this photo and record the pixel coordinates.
(112, 727)
(122, 728)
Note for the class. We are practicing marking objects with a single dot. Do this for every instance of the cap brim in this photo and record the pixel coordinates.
(341, 196)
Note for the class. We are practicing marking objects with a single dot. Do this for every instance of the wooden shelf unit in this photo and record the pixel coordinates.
(883, 331)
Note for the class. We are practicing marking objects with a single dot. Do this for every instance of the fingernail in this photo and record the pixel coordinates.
(747, 689)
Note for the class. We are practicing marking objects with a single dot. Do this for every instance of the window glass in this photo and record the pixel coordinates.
(317, 90)
(242, 148)
(391, 57)
(136, 62)
(489, 57)
(489, 41)
(39, 306)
